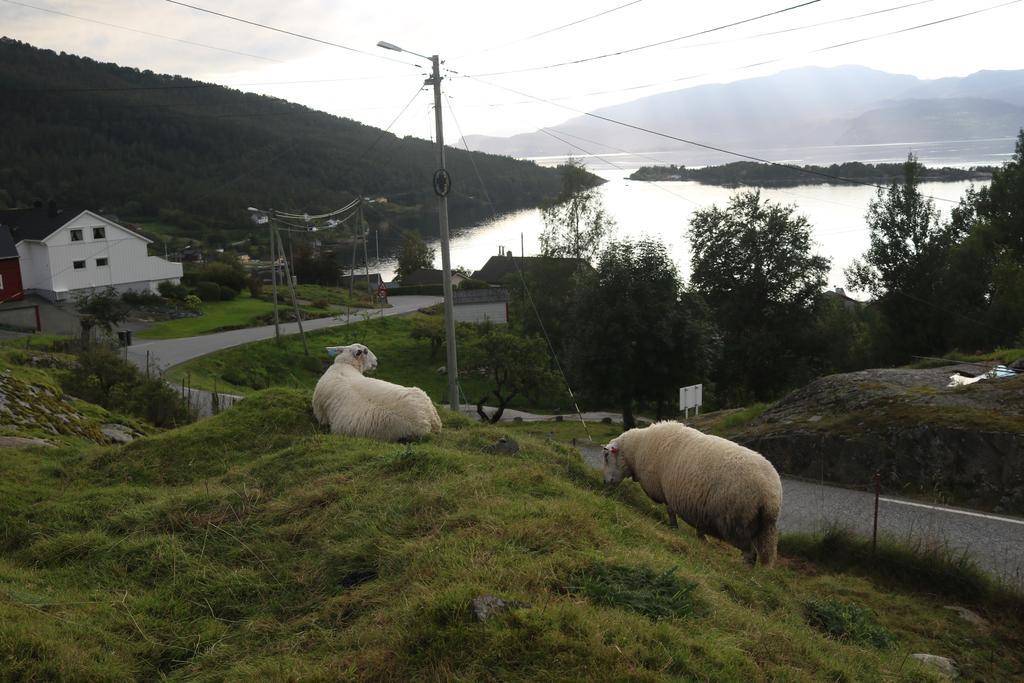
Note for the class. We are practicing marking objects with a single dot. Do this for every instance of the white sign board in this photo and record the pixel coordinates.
(691, 397)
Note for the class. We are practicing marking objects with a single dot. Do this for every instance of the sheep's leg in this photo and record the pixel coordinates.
(702, 534)
(750, 556)
(672, 519)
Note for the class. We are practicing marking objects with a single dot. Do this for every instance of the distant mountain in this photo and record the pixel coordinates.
(158, 147)
(800, 107)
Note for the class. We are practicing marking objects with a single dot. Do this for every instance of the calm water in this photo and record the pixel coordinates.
(663, 210)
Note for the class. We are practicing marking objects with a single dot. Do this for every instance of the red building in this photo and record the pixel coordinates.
(10, 269)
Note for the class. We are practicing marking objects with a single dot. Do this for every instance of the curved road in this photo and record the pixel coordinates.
(165, 353)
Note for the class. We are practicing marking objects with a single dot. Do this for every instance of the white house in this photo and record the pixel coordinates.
(65, 251)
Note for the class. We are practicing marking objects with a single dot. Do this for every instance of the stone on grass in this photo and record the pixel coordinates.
(971, 617)
(503, 446)
(22, 442)
(486, 606)
(945, 665)
(117, 433)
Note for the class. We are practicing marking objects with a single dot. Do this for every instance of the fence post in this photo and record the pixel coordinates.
(874, 531)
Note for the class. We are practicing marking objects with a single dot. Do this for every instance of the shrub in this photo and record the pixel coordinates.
(226, 274)
(143, 298)
(657, 595)
(847, 621)
(193, 302)
(208, 291)
(171, 291)
(103, 377)
(470, 283)
(227, 293)
(255, 287)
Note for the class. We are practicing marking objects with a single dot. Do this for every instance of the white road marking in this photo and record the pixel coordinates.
(953, 511)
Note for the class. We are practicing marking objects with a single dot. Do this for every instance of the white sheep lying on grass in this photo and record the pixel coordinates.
(715, 485)
(362, 406)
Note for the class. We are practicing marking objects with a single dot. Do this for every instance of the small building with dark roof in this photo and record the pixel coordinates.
(427, 276)
(499, 268)
(10, 268)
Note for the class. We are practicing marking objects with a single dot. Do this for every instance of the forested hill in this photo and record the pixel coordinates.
(151, 146)
(760, 174)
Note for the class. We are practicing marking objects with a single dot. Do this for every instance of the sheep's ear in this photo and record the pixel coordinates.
(358, 353)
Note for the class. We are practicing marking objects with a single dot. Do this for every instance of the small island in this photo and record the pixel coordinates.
(769, 175)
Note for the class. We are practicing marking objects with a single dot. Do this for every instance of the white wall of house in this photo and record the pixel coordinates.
(495, 312)
(105, 255)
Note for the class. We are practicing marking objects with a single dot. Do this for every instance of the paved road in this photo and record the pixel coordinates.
(995, 542)
(169, 352)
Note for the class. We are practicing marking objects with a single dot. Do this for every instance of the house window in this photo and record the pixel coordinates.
(99, 233)
(79, 265)
(1, 282)
(100, 262)
(76, 235)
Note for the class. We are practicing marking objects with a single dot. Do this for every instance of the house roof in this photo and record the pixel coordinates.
(423, 276)
(40, 222)
(498, 268)
(7, 247)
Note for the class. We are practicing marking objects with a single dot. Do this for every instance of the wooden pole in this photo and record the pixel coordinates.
(273, 280)
(874, 531)
(295, 300)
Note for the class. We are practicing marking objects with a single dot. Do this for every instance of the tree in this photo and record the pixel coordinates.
(102, 309)
(903, 264)
(512, 365)
(430, 328)
(413, 254)
(638, 336)
(752, 262)
(576, 223)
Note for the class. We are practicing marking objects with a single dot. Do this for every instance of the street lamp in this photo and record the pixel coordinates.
(442, 185)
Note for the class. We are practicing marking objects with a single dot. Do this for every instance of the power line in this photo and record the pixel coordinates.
(702, 145)
(551, 30)
(292, 33)
(385, 131)
(648, 45)
(141, 32)
(764, 62)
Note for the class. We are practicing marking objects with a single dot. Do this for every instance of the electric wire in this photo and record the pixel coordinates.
(763, 62)
(638, 48)
(291, 33)
(696, 143)
(551, 30)
(526, 287)
(141, 32)
(202, 86)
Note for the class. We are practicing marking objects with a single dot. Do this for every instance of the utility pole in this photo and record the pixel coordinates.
(442, 185)
(273, 279)
(295, 300)
(365, 232)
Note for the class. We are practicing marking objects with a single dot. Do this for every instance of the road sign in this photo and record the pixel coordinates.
(691, 397)
(442, 183)
(382, 291)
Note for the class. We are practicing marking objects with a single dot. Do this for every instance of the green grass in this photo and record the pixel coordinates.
(252, 546)
(253, 367)
(218, 316)
(999, 355)
(847, 621)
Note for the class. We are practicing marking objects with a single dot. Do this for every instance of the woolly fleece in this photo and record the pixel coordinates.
(717, 486)
(355, 405)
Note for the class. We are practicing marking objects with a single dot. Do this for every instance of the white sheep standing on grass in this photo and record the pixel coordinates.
(715, 485)
(362, 406)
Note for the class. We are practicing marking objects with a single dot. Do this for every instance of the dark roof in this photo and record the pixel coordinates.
(41, 222)
(498, 268)
(7, 248)
(423, 276)
(35, 224)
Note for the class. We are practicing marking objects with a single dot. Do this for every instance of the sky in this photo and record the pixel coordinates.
(478, 40)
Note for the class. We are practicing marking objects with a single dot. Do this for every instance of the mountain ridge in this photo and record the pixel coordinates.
(809, 106)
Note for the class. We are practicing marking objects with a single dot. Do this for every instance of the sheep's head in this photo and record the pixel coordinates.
(356, 355)
(615, 467)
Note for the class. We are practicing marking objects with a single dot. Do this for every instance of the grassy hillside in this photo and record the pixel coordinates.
(253, 546)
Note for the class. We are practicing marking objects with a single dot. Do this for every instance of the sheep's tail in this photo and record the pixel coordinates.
(766, 540)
